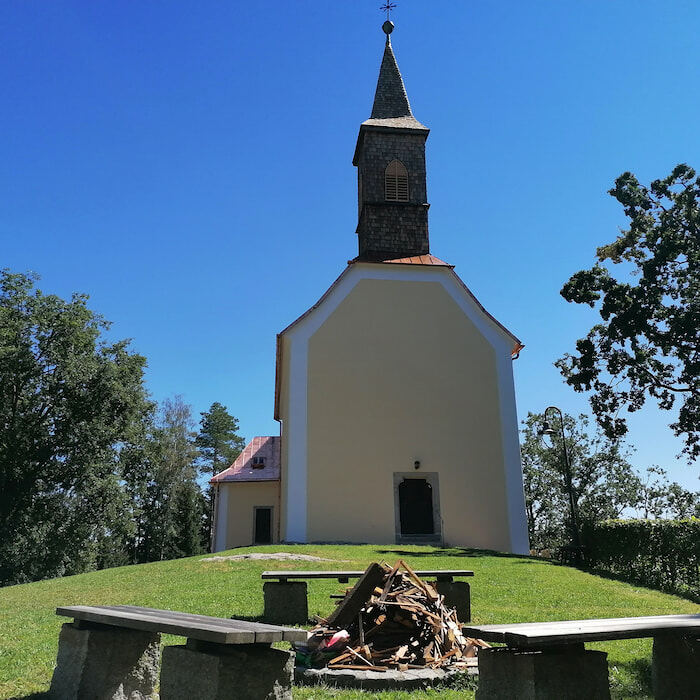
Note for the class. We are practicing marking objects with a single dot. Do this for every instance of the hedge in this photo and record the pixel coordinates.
(662, 554)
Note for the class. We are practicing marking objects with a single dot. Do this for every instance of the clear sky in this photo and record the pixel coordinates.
(188, 165)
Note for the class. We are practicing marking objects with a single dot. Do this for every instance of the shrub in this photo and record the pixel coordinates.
(662, 554)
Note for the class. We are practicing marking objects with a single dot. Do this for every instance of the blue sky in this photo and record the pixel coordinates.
(188, 165)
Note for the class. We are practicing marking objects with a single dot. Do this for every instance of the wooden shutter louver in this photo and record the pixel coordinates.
(396, 182)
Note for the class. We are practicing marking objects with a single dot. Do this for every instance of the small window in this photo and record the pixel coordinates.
(258, 462)
(396, 182)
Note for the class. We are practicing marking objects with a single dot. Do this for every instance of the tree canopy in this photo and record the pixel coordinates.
(68, 401)
(92, 472)
(168, 497)
(647, 345)
(219, 444)
(603, 482)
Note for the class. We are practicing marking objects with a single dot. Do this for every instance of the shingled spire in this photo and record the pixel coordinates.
(390, 160)
(390, 99)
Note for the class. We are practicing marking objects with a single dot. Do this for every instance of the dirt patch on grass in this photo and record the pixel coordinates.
(259, 556)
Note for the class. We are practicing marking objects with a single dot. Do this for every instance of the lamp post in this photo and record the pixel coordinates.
(547, 429)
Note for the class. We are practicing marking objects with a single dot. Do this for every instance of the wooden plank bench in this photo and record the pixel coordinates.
(285, 592)
(548, 660)
(114, 652)
(345, 576)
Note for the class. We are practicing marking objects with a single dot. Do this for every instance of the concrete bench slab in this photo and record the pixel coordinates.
(547, 660)
(113, 653)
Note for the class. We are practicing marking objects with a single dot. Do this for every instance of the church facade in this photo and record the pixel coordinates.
(394, 392)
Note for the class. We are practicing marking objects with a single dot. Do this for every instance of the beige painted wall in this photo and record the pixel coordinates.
(398, 373)
(242, 497)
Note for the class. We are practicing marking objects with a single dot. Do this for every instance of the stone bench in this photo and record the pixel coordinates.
(285, 592)
(548, 660)
(113, 652)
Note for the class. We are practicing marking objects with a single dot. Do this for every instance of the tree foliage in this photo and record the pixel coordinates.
(69, 401)
(92, 474)
(218, 441)
(170, 500)
(219, 444)
(661, 498)
(648, 345)
(603, 481)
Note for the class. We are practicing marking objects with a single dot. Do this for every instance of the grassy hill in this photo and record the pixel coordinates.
(504, 589)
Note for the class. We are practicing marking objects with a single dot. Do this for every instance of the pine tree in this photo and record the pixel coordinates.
(219, 444)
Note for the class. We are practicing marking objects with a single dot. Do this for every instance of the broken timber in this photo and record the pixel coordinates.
(350, 607)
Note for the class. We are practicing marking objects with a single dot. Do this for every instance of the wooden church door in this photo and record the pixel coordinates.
(262, 533)
(416, 507)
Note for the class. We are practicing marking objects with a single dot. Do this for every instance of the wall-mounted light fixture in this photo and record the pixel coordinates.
(416, 464)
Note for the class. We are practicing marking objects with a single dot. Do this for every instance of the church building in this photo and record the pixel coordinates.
(394, 392)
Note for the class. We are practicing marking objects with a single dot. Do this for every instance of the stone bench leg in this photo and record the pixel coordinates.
(101, 662)
(286, 602)
(457, 595)
(571, 673)
(675, 667)
(202, 671)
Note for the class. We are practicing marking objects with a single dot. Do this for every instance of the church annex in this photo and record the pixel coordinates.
(394, 392)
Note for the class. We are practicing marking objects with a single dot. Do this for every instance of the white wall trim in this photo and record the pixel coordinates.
(221, 517)
(298, 338)
(517, 515)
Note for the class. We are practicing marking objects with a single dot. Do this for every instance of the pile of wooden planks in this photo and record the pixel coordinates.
(391, 619)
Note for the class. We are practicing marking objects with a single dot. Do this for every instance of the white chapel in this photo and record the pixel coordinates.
(394, 392)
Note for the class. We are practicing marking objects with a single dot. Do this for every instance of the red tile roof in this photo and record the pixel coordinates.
(266, 448)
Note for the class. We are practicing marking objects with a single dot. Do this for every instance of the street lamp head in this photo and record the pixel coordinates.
(546, 429)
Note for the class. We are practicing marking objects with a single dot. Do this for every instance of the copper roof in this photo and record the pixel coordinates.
(413, 260)
(265, 448)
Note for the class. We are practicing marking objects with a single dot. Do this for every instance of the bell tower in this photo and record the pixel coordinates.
(391, 177)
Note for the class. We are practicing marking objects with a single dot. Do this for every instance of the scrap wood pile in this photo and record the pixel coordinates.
(389, 619)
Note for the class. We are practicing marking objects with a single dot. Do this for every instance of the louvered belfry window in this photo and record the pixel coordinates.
(396, 182)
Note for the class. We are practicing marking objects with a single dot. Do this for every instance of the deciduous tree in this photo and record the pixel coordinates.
(604, 483)
(68, 403)
(647, 345)
(171, 507)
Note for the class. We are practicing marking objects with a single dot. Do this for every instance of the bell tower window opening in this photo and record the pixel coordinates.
(396, 182)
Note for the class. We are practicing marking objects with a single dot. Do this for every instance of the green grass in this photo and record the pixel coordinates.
(504, 589)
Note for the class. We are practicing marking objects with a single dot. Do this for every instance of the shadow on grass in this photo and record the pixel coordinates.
(631, 679)
(248, 618)
(456, 552)
(33, 696)
(261, 618)
(692, 596)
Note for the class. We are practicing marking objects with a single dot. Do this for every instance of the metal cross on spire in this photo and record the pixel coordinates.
(388, 7)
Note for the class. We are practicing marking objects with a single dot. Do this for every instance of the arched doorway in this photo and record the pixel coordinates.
(416, 507)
